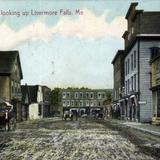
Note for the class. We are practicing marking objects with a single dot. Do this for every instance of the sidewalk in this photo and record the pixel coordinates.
(146, 128)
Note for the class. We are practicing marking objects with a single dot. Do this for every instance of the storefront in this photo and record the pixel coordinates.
(133, 107)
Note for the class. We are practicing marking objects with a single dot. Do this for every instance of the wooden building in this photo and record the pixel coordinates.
(35, 101)
(118, 78)
(143, 32)
(155, 83)
(10, 80)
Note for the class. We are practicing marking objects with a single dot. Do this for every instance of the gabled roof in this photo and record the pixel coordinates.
(7, 60)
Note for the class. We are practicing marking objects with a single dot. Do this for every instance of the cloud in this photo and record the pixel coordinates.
(87, 26)
(11, 38)
(90, 26)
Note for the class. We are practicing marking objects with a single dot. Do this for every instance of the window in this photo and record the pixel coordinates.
(72, 103)
(64, 95)
(134, 59)
(87, 103)
(132, 62)
(91, 95)
(125, 68)
(99, 96)
(76, 103)
(68, 94)
(91, 104)
(76, 95)
(81, 103)
(81, 95)
(87, 95)
(128, 86)
(64, 103)
(16, 89)
(19, 88)
(115, 94)
(12, 84)
(128, 65)
(132, 30)
(132, 84)
(68, 103)
(135, 83)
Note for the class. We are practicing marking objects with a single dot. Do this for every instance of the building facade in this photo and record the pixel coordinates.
(35, 101)
(155, 83)
(142, 34)
(118, 65)
(10, 80)
(118, 77)
(83, 100)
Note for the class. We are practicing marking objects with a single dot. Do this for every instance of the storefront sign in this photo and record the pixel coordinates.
(142, 102)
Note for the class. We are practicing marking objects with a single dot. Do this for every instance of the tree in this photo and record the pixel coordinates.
(108, 99)
(56, 98)
(107, 103)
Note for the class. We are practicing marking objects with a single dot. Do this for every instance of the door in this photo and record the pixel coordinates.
(158, 102)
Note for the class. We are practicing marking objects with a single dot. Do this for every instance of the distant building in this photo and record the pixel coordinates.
(83, 100)
(118, 77)
(10, 80)
(118, 64)
(36, 101)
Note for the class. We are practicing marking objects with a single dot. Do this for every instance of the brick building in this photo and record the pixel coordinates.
(83, 100)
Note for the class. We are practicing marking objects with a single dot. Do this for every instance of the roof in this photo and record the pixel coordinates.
(125, 34)
(31, 91)
(148, 37)
(7, 60)
(86, 90)
(132, 6)
(117, 54)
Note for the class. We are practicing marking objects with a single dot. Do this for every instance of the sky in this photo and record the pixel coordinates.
(64, 48)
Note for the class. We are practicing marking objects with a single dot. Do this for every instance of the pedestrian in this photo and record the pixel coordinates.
(76, 115)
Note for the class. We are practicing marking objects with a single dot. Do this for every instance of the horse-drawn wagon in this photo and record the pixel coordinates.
(7, 116)
(68, 115)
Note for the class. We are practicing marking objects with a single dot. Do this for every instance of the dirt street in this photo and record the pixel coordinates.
(59, 140)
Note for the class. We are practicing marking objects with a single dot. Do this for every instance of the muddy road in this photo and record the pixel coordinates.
(54, 139)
